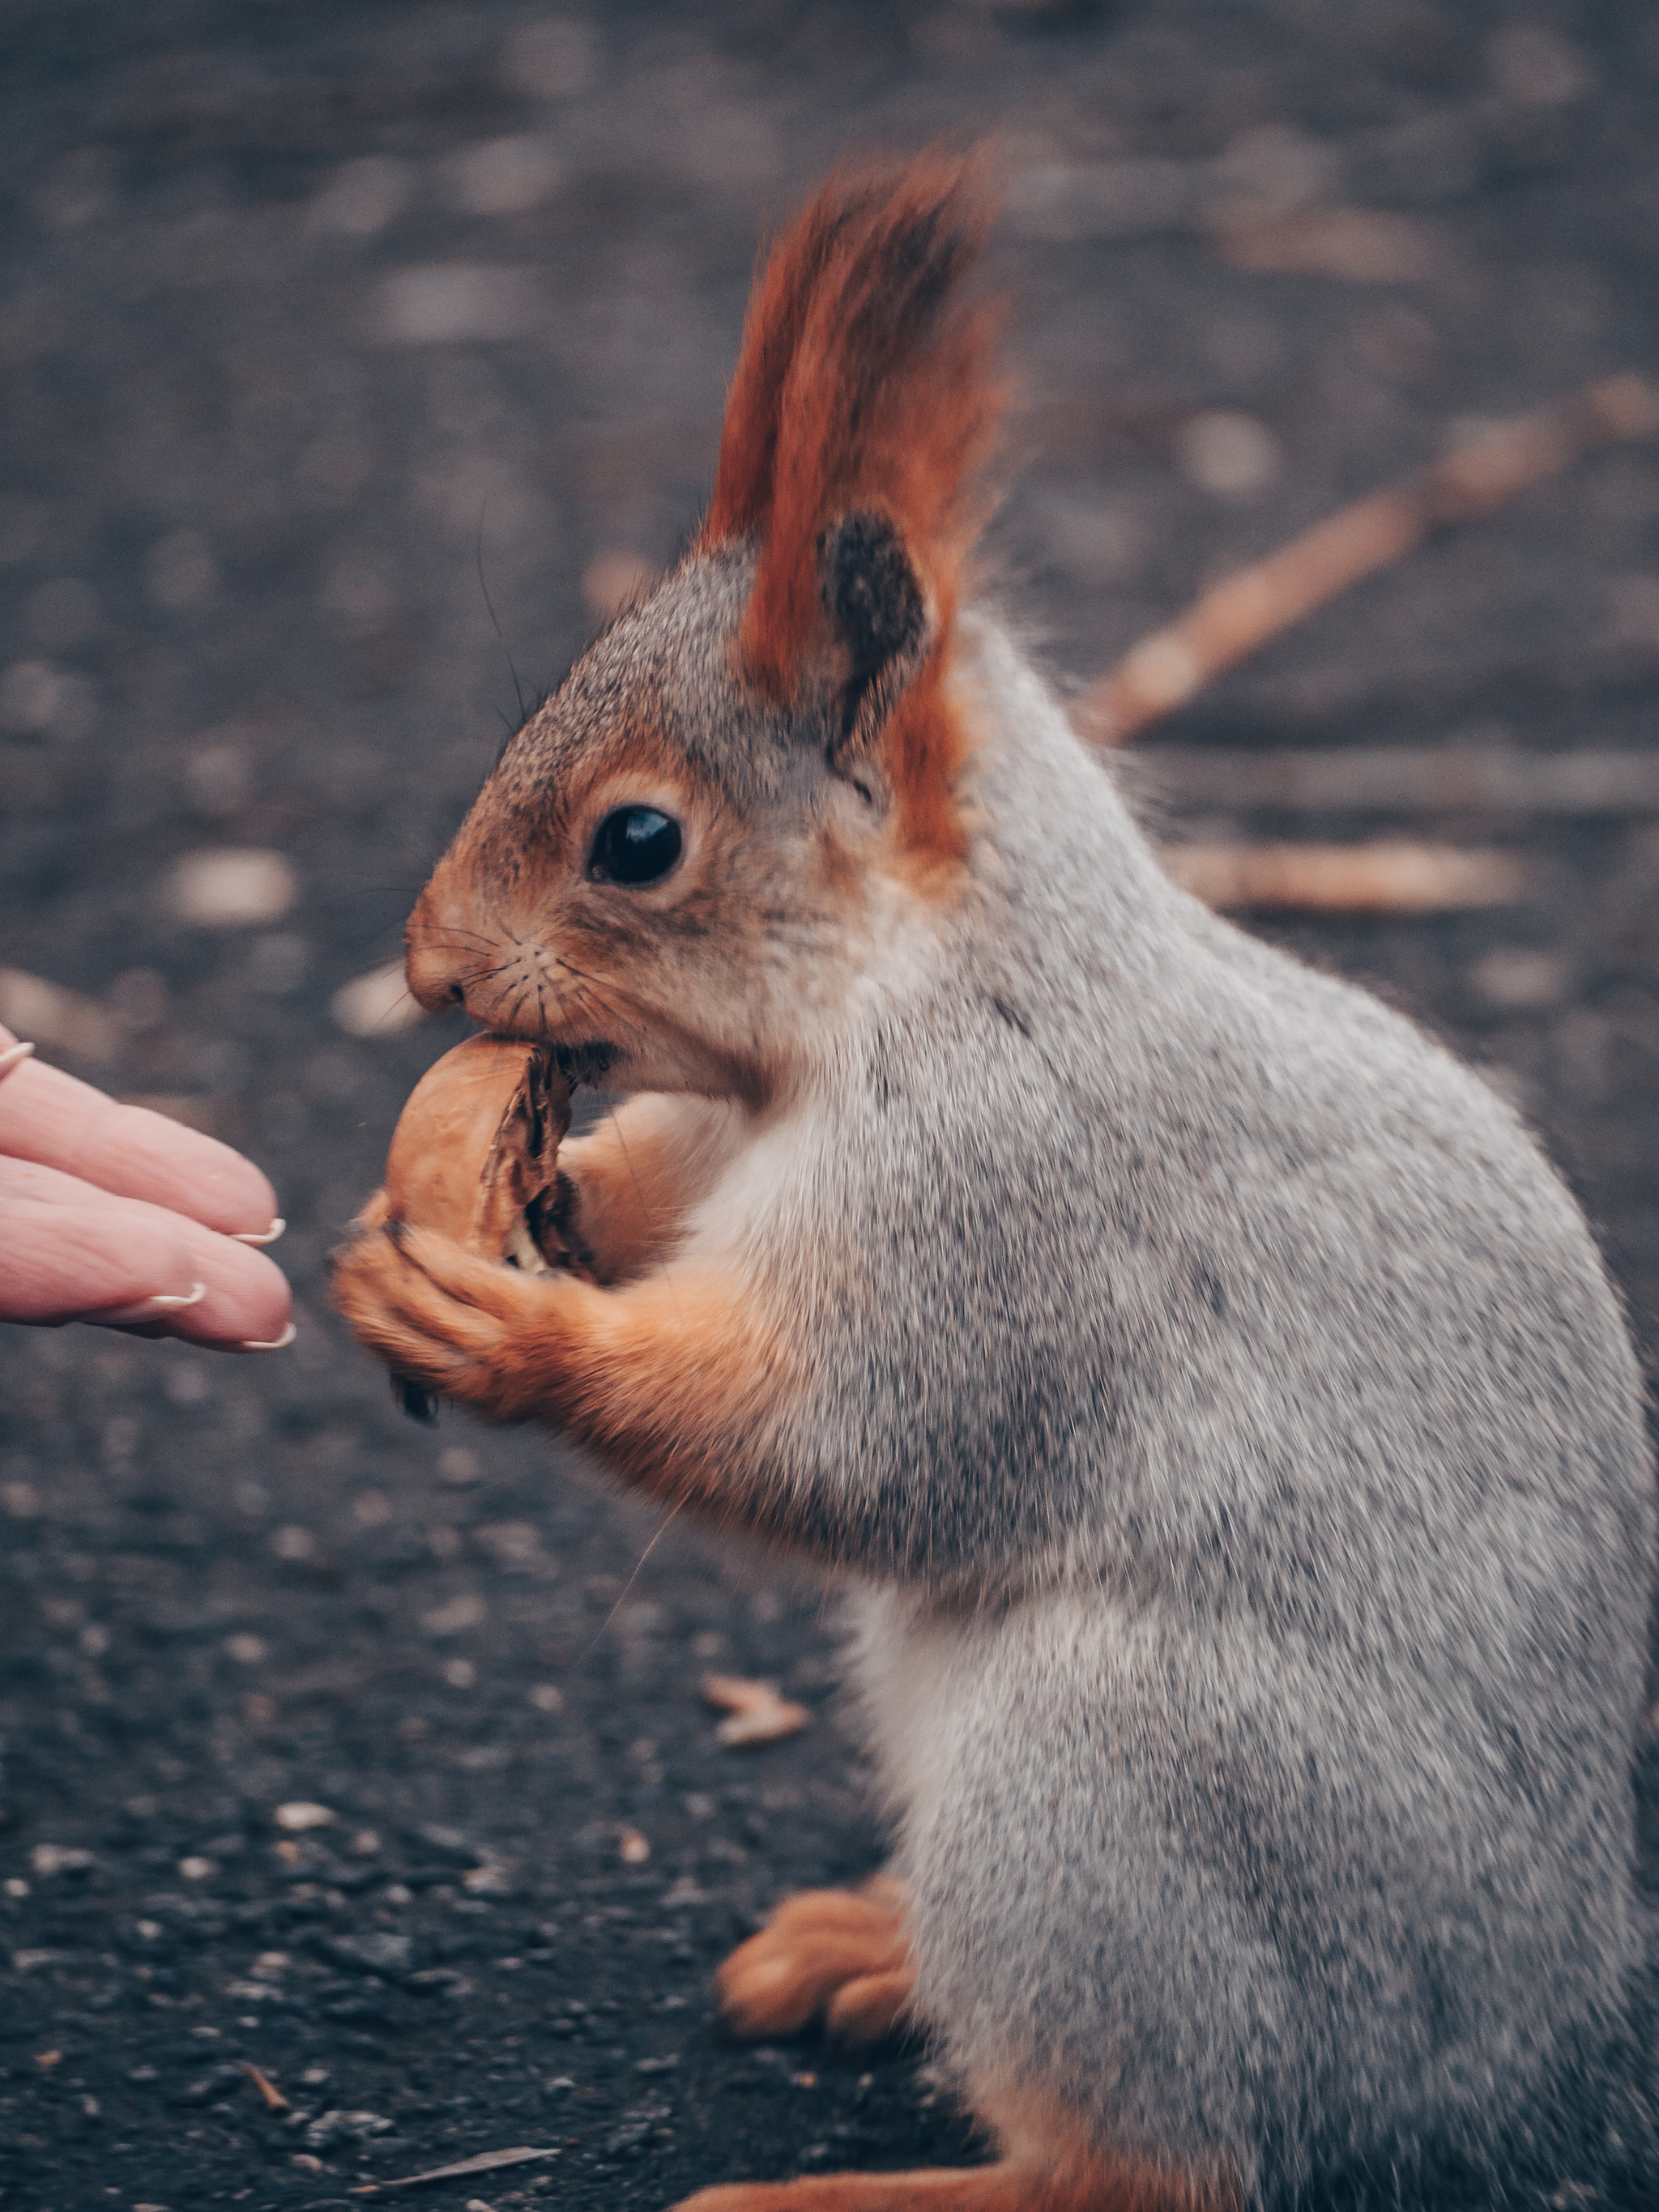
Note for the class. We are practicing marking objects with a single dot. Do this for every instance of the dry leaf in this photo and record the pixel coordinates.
(487, 2161)
(758, 1714)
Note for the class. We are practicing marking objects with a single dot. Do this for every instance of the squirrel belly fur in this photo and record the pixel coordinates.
(1213, 1402)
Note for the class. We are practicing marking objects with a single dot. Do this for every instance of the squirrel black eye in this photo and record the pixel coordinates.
(634, 845)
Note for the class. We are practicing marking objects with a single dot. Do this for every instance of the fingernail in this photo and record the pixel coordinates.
(14, 1056)
(276, 1344)
(150, 1309)
(259, 1237)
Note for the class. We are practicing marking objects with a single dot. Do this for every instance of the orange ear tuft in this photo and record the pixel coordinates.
(863, 381)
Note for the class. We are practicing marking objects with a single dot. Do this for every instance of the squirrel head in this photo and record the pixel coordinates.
(688, 860)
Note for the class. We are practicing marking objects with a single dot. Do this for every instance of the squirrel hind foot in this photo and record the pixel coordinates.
(1103, 2185)
(869, 2009)
(839, 1952)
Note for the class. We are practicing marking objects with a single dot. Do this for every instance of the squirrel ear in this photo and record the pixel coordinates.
(879, 615)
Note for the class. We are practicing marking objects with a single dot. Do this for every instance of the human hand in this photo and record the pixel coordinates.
(115, 1215)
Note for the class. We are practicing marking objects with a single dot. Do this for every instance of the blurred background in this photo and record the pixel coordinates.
(357, 358)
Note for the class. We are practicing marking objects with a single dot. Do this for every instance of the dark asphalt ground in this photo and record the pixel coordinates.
(315, 315)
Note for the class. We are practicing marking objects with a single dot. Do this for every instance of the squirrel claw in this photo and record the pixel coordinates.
(419, 1404)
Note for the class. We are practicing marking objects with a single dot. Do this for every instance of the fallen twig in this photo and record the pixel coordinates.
(275, 2100)
(487, 2161)
(758, 1714)
(1436, 779)
(1242, 613)
(1394, 877)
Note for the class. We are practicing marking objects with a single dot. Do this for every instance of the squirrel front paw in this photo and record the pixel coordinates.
(675, 1384)
(441, 1318)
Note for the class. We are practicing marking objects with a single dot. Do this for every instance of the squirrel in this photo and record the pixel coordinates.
(1213, 1405)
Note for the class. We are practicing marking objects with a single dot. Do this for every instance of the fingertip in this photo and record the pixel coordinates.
(248, 1299)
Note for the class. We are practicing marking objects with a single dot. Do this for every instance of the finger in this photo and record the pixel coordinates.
(74, 1252)
(68, 1249)
(247, 1305)
(49, 1118)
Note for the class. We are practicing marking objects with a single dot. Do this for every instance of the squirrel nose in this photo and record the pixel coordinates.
(445, 951)
(437, 977)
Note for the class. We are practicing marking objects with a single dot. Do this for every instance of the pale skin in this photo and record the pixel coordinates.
(117, 1216)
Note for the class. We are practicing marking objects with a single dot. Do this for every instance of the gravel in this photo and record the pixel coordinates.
(343, 343)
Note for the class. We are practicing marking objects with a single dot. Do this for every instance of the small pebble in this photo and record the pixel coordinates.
(551, 60)
(506, 176)
(58, 1019)
(1230, 455)
(232, 888)
(300, 1814)
(377, 1005)
(362, 197)
(59, 1858)
(37, 699)
(450, 303)
(1516, 977)
(461, 1612)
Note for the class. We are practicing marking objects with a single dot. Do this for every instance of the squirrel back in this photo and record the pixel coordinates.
(1216, 1398)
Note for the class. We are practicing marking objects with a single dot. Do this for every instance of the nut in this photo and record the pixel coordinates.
(475, 1150)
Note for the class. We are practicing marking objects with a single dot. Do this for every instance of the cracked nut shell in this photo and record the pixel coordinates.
(474, 1154)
